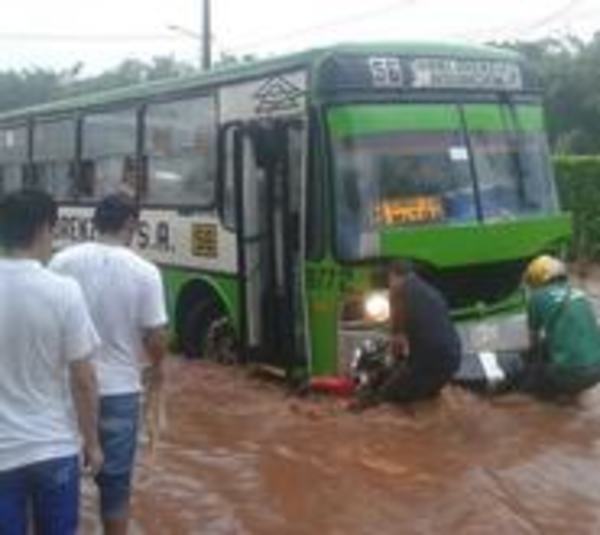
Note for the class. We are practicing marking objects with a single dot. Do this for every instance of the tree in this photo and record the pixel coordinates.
(130, 72)
(570, 74)
(20, 88)
(26, 87)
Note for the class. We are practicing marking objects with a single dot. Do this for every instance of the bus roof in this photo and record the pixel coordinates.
(254, 69)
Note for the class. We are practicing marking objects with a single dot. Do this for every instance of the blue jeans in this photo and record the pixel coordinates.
(119, 415)
(52, 489)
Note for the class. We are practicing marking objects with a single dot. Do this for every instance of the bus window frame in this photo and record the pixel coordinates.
(17, 125)
(125, 106)
(25, 164)
(73, 162)
(143, 181)
(224, 169)
(138, 107)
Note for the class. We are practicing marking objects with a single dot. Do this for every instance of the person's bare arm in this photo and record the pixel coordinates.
(84, 390)
(155, 345)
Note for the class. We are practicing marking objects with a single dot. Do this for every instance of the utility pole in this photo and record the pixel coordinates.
(206, 36)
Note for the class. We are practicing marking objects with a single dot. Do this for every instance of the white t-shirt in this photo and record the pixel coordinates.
(125, 295)
(44, 326)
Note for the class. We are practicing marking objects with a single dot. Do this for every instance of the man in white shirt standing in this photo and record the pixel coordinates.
(46, 379)
(126, 300)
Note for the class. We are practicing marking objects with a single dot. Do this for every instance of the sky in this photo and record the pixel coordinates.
(59, 33)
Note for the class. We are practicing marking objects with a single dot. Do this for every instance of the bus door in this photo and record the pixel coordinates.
(266, 161)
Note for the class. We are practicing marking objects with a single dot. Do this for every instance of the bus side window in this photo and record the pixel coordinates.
(11, 177)
(53, 157)
(85, 180)
(29, 176)
(108, 153)
(56, 178)
(254, 190)
(13, 157)
(180, 139)
(228, 185)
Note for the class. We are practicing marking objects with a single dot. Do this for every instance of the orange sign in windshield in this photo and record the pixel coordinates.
(412, 210)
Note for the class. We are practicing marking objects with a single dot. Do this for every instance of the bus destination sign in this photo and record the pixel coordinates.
(397, 73)
(393, 72)
(465, 74)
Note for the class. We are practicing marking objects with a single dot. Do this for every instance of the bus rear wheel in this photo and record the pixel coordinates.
(196, 327)
(221, 342)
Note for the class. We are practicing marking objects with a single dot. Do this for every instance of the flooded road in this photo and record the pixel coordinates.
(241, 457)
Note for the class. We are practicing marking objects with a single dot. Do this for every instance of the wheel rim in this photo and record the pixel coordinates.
(221, 343)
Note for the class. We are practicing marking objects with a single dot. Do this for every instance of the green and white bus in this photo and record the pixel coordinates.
(273, 193)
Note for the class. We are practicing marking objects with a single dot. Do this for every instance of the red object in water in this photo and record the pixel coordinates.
(338, 385)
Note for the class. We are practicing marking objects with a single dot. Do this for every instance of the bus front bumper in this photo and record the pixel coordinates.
(494, 334)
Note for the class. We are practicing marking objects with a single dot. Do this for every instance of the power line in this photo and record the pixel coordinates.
(101, 38)
(559, 13)
(124, 38)
(340, 21)
(104, 37)
(524, 26)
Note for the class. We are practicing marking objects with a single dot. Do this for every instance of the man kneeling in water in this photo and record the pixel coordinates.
(423, 341)
(565, 338)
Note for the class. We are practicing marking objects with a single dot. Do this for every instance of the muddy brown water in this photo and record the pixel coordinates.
(239, 456)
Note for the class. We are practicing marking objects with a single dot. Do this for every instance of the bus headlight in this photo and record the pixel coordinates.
(377, 306)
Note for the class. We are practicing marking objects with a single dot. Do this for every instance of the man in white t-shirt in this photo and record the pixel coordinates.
(47, 381)
(126, 300)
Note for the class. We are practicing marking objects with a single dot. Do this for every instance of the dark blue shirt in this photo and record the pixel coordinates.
(434, 342)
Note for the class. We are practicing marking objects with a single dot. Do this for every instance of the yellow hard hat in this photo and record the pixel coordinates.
(543, 269)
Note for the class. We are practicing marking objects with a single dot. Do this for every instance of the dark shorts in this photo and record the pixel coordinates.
(52, 489)
(550, 380)
(118, 423)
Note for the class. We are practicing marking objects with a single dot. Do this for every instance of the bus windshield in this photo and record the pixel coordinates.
(417, 164)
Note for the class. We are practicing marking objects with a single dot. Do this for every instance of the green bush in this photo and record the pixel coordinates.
(578, 182)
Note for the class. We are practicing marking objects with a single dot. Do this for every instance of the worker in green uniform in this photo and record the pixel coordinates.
(565, 337)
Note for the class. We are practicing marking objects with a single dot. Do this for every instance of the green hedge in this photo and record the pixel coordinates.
(578, 181)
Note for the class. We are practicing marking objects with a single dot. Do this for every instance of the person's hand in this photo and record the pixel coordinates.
(399, 346)
(93, 459)
(153, 377)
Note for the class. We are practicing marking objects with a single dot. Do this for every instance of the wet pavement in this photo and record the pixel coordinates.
(239, 456)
